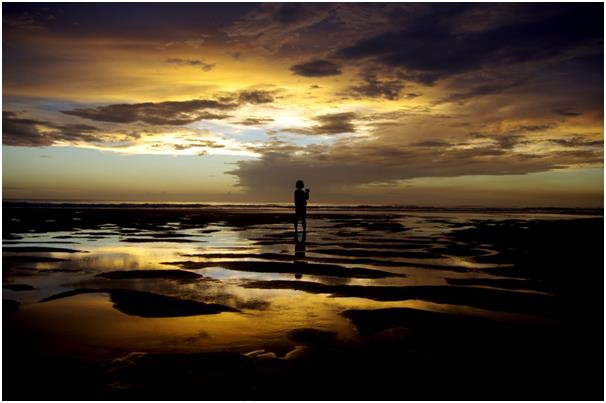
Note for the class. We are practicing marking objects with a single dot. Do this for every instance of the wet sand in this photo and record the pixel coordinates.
(218, 303)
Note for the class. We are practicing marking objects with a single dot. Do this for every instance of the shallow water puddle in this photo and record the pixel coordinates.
(275, 283)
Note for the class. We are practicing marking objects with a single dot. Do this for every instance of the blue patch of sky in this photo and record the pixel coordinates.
(260, 135)
(232, 132)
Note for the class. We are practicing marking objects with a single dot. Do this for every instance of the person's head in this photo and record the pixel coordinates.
(300, 184)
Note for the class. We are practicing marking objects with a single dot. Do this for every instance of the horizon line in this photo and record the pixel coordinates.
(127, 203)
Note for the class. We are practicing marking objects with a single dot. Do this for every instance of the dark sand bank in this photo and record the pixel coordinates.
(484, 298)
(144, 240)
(9, 306)
(164, 273)
(511, 283)
(21, 249)
(18, 287)
(378, 305)
(314, 258)
(31, 259)
(148, 305)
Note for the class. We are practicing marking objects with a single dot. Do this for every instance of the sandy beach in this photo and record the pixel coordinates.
(224, 303)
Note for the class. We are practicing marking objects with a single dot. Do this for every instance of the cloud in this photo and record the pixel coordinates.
(508, 141)
(577, 141)
(237, 56)
(431, 48)
(160, 113)
(273, 25)
(533, 128)
(372, 87)
(300, 28)
(190, 62)
(256, 97)
(567, 112)
(207, 143)
(431, 143)
(24, 22)
(25, 132)
(175, 113)
(316, 68)
(511, 138)
(482, 90)
(335, 123)
(254, 121)
(333, 170)
(22, 132)
(196, 42)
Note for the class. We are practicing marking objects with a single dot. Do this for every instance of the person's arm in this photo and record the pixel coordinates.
(306, 194)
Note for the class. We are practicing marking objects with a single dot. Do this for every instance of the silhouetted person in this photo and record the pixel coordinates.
(301, 198)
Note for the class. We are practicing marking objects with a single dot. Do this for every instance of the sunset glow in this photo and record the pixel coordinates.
(487, 105)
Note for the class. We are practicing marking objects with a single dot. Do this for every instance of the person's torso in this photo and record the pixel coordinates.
(300, 198)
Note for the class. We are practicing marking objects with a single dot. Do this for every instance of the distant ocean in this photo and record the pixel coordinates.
(280, 206)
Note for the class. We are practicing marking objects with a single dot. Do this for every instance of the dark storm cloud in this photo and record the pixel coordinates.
(17, 131)
(190, 62)
(335, 123)
(316, 68)
(160, 113)
(287, 14)
(158, 21)
(431, 48)
(270, 26)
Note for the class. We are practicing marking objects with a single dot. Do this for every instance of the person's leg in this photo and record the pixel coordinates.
(296, 224)
(304, 224)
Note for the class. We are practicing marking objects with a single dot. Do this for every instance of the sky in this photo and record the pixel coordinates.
(440, 104)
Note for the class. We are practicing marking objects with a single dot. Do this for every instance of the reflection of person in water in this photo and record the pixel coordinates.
(299, 254)
(301, 198)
